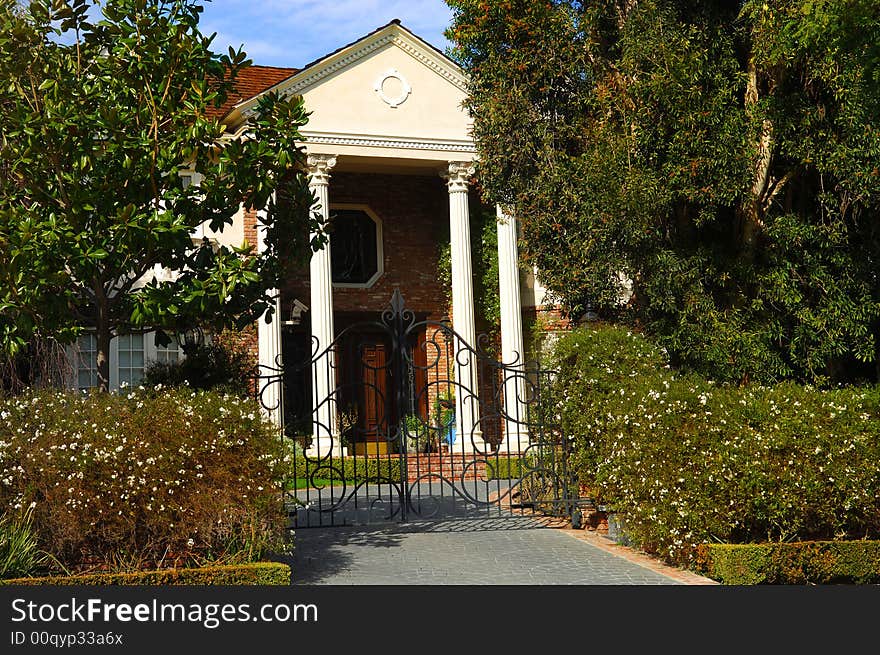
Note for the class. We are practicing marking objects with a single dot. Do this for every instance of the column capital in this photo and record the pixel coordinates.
(457, 175)
(319, 168)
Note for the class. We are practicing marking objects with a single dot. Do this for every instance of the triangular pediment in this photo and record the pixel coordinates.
(390, 87)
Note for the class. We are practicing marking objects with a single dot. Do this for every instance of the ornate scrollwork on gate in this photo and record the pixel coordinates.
(433, 426)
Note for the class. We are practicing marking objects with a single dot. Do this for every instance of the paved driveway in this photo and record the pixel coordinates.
(499, 551)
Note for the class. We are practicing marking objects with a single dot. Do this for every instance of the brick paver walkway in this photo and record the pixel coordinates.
(504, 551)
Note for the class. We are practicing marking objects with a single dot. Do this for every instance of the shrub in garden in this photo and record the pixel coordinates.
(211, 366)
(813, 562)
(143, 479)
(20, 554)
(259, 573)
(686, 461)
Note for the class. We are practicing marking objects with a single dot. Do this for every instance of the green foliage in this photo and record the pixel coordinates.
(506, 467)
(484, 261)
(146, 479)
(328, 471)
(816, 562)
(418, 435)
(98, 122)
(20, 554)
(721, 157)
(258, 573)
(685, 461)
(210, 367)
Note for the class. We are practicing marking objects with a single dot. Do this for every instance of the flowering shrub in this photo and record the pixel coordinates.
(144, 478)
(685, 461)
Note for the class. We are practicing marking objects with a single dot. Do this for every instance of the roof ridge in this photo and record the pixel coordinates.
(280, 68)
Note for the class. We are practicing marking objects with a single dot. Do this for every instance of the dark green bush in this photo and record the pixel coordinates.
(511, 467)
(504, 467)
(815, 562)
(209, 367)
(353, 470)
(685, 461)
(145, 479)
(259, 573)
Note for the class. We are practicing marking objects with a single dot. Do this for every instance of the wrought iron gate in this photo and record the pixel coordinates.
(400, 419)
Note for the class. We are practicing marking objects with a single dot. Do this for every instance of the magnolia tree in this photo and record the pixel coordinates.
(722, 157)
(99, 119)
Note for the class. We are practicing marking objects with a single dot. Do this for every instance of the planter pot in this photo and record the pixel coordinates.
(617, 529)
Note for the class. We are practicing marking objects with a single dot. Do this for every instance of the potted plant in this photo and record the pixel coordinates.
(416, 432)
(346, 423)
(444, 411)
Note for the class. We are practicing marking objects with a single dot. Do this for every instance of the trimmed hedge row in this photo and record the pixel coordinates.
(353, 470)
(504, 468)
(812, 562)
(513, 467)
(259, 573)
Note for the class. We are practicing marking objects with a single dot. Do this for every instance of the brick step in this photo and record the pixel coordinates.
(451, 466)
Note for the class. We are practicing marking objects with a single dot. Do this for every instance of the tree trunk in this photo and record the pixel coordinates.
(753, 211)
(103, 337)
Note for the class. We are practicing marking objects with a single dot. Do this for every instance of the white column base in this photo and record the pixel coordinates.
(326, 446)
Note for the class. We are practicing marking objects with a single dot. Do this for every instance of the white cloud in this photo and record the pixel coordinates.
(296, 32)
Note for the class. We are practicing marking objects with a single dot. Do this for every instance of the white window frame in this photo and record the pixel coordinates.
(380, 249)
(150, 356)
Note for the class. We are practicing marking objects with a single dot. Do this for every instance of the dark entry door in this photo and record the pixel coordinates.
(374, 402)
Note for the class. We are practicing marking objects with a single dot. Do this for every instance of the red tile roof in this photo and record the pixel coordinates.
(249, 82)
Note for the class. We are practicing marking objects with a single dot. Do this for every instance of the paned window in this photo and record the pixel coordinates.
(86, 361)
(130, 354)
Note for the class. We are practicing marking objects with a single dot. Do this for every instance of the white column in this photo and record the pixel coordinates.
(515, 438)
(469, 435)
(321, 312)
(269, 347)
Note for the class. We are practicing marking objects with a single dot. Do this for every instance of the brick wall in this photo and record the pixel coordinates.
(414, 211)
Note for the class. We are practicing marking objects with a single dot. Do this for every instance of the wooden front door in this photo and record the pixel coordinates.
(369, 393)
(374, 404)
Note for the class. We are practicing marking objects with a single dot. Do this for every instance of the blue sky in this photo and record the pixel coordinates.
(296, 32)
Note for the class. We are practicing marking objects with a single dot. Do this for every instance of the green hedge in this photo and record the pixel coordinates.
(685, 461)
(815, 562)
(260, 573)
(353, 470)
(504, 468)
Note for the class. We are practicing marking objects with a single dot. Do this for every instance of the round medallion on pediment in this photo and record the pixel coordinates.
(392, 88)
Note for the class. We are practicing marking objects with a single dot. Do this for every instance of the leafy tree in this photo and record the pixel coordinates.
(722, 157)
(97, 124)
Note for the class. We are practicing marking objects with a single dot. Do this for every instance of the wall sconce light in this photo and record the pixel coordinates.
(297, 309)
